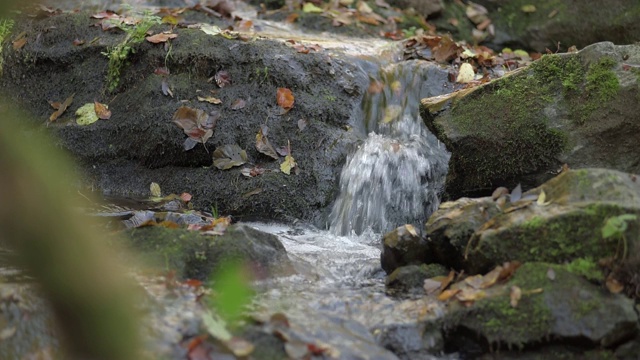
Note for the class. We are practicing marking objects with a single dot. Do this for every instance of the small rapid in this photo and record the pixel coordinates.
(396, 175)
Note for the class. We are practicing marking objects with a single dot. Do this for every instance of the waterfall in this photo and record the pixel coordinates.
(396, 175)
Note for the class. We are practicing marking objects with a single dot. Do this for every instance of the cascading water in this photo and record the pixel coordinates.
(395, 176)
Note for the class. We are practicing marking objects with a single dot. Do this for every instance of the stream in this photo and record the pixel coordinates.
(392, 178)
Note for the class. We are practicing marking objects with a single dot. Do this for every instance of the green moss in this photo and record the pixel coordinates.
(511, 110)
(585, 267)
(6, 25)
(602, 82)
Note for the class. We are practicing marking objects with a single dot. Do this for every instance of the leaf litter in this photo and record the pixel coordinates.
(196, 124)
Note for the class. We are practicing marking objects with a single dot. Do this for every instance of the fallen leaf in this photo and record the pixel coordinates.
(466, 74)
(222, 78)
(215, 326)
(284, 98)
(447, 281)
(292, 18)
(161, 71)
(238, 104)
(239, 347)
(469, 294)
(210, 29)
(516, 194)
(61, 108)
(210, 99)
(102, 110)
(86, 114)
(508, 269)
(499, 192)
(186, 197)
(166, 91)
(255, 191)
(244, 25)
(515, 295)
(228, 156)
(302, 124)
(364, 8)
(551, 274)
(528, 8)
(311, 8)
(154, 189)
(541, 199)
(613, 285)
(263, 145)
(491, 278)
(161, 37)
(78, 42)
(19, 44)
(430, 286)
(448, 294)
(288, 164)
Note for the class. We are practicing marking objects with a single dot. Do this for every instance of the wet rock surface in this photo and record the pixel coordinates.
(521, 128)
(140, 144)
(195, 256)
(478, 234)
(565, 308)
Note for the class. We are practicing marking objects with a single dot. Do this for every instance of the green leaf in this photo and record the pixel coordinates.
(86, 114)
(232, 291)
(617, 225)
(216, 326)
(228, 156)
(311, 8)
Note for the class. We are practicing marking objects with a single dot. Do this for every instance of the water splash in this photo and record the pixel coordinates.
(396, 175)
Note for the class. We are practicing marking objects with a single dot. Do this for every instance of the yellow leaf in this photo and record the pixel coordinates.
(311, 8)
(288, 164)
(515, 295)
(86, 114)
(155, 190)
(466, 73)
(210, 99)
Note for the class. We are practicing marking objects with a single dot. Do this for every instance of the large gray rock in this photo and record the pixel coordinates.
(567, 22)
(478, 234)
(140, 144)
(563, 307)
(579, 109)
(195, 256)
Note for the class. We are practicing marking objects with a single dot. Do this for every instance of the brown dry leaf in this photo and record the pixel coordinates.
(508, 269)
(244, 25)
(238, 104)
(291, 18)
(284, 98)
(227, 156)
(448, 294)
(19, 44)
(491, 278)
(470, 294)
(474, 281)
(161, 71)
(613, 285)
(62, 108)
(252, 172)
(161, 37)
(102, 111)
(263, 145)
(222, 78)
(515, 295)
(446, 281)
(210, 100)
(446, 50)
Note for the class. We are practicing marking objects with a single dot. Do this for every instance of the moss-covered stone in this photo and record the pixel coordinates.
(195, 256)
(563, 306)
(522, 127)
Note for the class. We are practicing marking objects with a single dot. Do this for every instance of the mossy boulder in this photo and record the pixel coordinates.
(569, 108)
(139, 144)
(563, 308)
(564, 22)
(478, 234)
(195, 256)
